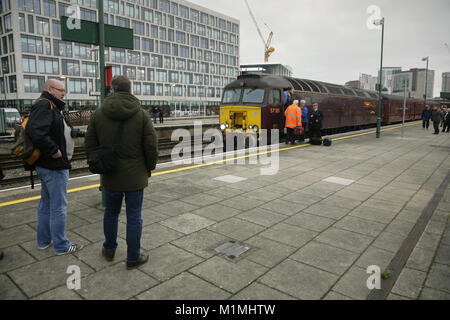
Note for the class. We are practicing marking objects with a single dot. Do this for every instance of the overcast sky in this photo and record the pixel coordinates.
(329, 40)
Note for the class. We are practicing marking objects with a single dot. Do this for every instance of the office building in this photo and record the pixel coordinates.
(415, 82)
(183, 54)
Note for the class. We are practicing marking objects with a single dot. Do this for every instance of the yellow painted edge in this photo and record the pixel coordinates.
(10, 203)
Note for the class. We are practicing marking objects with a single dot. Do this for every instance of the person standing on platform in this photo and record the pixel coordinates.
(161, 115)
(304, 119)
(316, 121)
(155, 113)
(49, 133)
(446, 120)
(436, 117)
(293, 119)
(426, 116)
(137, 155)
(288, 94)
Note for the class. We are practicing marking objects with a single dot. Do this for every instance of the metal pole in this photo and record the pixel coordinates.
(101, 54)
(404, 109)
(426, 87)
(380, 81)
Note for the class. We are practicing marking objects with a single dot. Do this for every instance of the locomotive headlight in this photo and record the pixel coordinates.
(255, 128)
(222, 126)
(227, 125)
(250, 127)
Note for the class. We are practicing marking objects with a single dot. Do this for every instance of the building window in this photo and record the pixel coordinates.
(138, 28)
(134, 57)
(111, 6)
(151, 74)
(62, 48)
(78, 86)
(158, 18)
(180, 37)
(33, 6)
(33, 84)
(184, 12)
(82, 51)
(89, 69)
(184, 52)
(164, 5)
(147, 15)
(161, 76)
(117, 55)
(129, 11)
(164, 47)
(122, 22)
(48, 65)
(29, 64)
(56, 27)
(149, 89)
(157, 61)
(147, 45)
(89, 15)
(49, 8)
(140, 74)
(159, 90)
(70, 67)
(42, 26)
(130, 72)
(137, 88)
(31, 44)
(137, 43)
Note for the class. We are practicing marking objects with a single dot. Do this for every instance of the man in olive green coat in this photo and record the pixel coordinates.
(137, 156)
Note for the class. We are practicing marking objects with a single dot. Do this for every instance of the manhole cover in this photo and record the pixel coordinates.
(231, 249)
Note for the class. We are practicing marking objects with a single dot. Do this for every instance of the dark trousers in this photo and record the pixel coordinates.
(436, 126)
(133, 202)
(305, 127)
(161, 118)
(314, 131)
(425, 124)
(290, 137)
(446, 126)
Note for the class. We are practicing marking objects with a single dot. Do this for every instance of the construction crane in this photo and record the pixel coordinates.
(268, 50)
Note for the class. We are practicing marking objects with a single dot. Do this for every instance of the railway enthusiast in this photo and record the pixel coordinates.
(436, 117)
(426, 116)
(293, 119)
(316, 121)
(50, 133)
(304, 119)
(137, 154)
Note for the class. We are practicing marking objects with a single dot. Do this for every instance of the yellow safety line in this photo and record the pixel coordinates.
(10, 203)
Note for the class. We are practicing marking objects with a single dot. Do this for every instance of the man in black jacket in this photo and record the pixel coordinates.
(315, 123)
(50, 134)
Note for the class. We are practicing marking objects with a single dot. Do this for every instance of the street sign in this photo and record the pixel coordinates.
(88, 33)
(94, 93)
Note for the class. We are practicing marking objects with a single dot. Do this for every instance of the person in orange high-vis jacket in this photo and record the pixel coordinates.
(293, 115)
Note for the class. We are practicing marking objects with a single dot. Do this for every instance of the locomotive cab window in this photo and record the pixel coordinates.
(253, 96)
(275, 97)
(232, 96)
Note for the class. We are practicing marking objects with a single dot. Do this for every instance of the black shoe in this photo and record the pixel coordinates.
(1, 255)
(142, 260)
(108, 254)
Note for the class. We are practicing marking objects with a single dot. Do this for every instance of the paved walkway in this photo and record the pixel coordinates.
(308, 238)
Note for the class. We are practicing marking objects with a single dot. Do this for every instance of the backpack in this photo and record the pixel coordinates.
(23, 147)
(327, 142)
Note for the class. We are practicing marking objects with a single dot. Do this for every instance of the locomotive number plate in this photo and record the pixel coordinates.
(274, 110)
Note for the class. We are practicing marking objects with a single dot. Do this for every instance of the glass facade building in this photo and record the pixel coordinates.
(183, 54)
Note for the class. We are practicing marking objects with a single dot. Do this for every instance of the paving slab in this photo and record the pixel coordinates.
(258, 291)
(344, 239)
(229, 276)
(267, 252)
(236, 229)
(167, 261)
(299, 280)
(289, 234)
(262, 217)
(325, 257)
(187, 223)
(201, 243)
(182, 287)
(39, 277)
(15, 257)
(409, 283)
(108, 284)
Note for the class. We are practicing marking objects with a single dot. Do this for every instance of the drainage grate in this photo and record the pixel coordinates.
(231, 249)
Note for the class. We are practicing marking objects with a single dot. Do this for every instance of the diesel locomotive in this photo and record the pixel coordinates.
(254, 102)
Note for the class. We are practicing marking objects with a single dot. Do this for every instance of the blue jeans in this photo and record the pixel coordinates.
(133, 200)
(154, 118)
(52, 209)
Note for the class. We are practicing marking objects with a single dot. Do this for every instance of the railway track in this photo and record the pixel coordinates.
(12, 166)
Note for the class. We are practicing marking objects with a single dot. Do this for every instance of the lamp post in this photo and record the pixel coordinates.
(172, 86)
(406, 84)
(426, 84)
(64, 78)
(96, 69)
(377, 23)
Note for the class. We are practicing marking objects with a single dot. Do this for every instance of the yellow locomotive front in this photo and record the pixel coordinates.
(240, 111)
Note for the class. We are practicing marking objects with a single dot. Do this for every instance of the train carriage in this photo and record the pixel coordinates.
(254, 102)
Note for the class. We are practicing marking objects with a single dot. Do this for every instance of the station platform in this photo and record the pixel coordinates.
(222, 230)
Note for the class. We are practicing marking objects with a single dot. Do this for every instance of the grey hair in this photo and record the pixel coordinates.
(295, 101)
(315, 104)
(302, 101)
(121, 84)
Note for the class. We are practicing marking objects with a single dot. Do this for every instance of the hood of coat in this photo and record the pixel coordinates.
(121, 106)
